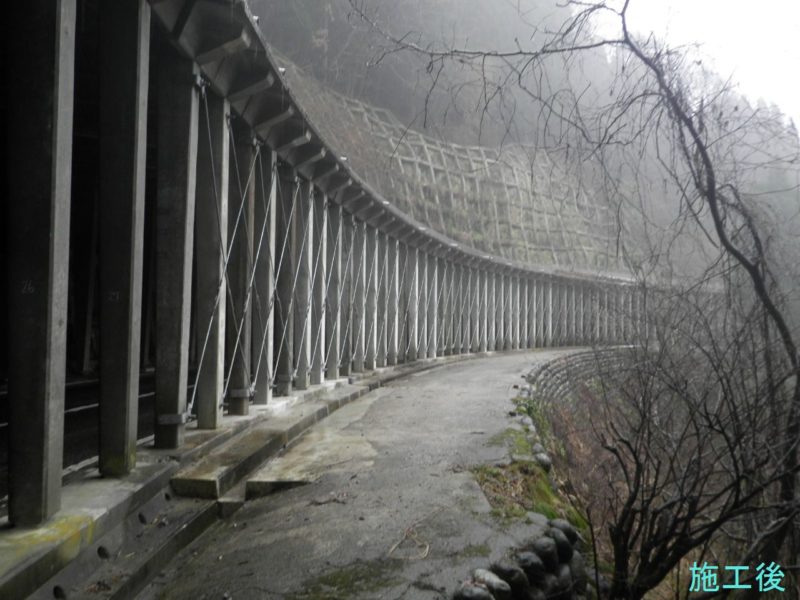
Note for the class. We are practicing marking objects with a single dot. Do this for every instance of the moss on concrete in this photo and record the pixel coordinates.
(350, 581)
(523, 486)
(515, 439)
(475, 551)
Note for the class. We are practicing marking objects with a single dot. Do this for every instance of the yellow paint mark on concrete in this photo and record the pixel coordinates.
(70, 533)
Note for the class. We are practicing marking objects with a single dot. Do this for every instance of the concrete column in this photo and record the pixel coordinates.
(287, 239)
(455, 309)
(645, 316)
(383, 298)
(524, 305)
(412, 302)
(585, 315)
(557, 308)
(516, 312)
(124, 51)
(484, 310)
(639, 329)
(606, 330)
(533, 313)
(425, 298)
(466, 295)
(566, 321)
(533, 327)
(319, 291)
(177, 167)
(631, 315)
(475, 341)
(433, 306)
(372, 260)
(616, 303)
(264, 282)
(446, 312)
(359, 292)
(581, 314)
(491, 337)
(572, 315)
(463, 309)
(549, 312)
(392, 301)
(458, 310)
(303, 286)
(333, 312)
(442, 307)
(348, 269)
(39, 143)
(506, 315)
(211, 233)
(239, 324)
(595, 314)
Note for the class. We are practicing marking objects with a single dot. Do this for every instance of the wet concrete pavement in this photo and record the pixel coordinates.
(391, 509)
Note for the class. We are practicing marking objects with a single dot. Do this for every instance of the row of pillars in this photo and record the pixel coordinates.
(290, 287)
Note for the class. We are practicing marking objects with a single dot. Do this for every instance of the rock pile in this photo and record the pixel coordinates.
(549, 566)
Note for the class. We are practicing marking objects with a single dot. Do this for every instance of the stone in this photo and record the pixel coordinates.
(529, 458)
(514, 576)
(564, 580)
(472, 591)
(543, 460)
(549, 585)
(545, 548)
(536, 594)
(580, 577)
(499, 588)
(537, 519)
(563, 547)
(537, 448)
(532, 565)
(567, 528)
(526, 421)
